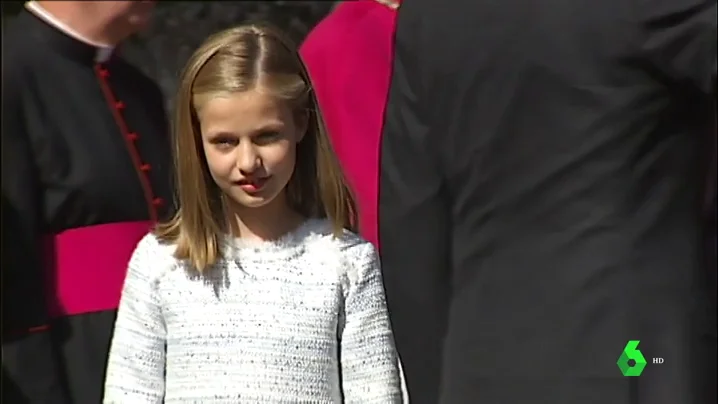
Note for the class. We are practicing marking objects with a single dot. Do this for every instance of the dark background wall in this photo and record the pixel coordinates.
(180, 26)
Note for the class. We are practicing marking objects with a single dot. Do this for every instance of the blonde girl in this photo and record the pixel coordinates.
(258, 291)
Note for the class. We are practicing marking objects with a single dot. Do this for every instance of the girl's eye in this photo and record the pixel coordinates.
(225, 142)
(266, 137)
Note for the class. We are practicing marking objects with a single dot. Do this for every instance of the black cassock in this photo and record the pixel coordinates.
(85, 173)
(542, 171)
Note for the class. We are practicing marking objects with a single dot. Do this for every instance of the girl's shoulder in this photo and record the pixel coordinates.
(151, 244)
(348, 243)
(153, 253)
(354, 254)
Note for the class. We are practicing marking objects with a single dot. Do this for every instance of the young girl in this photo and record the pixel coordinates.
(254, 292)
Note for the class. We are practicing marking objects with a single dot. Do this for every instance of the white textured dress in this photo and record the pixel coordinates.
(299, 320)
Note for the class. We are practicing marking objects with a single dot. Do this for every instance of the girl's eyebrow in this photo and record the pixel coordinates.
(269, 127)
(221, 134)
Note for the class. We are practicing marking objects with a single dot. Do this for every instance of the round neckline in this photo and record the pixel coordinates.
(286, 246)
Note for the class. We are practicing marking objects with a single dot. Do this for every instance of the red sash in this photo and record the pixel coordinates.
(87, 266)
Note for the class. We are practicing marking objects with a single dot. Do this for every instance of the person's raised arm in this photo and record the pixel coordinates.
(414, 217)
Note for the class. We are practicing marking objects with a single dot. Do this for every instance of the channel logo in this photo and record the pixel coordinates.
(631, 362)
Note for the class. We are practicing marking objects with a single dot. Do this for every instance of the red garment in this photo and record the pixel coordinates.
(349, 57)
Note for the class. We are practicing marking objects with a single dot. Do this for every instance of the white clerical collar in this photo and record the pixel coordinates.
(103, 51)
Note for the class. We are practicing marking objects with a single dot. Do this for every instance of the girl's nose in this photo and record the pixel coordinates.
(248, 159)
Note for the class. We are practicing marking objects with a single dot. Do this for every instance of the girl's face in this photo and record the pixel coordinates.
(250, 142)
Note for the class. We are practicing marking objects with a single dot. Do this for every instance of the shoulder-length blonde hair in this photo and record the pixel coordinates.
(235, 60)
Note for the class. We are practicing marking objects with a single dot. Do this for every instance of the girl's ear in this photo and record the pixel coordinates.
(302, 122)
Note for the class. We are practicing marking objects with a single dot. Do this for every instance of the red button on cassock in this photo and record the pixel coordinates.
(119, 105)
(145, 167)
(132, 136)
(158, 202)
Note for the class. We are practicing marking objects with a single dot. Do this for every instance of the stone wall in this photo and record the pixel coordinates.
(179, 27)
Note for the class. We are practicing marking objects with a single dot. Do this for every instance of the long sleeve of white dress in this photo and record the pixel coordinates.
(369, 365)
(137, 352)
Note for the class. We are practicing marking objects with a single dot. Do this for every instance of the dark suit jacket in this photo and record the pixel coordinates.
(542, 166)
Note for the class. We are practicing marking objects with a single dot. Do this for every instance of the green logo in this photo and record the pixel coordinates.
(630, 352)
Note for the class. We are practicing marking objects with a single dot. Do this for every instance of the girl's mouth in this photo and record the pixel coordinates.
(252, 185)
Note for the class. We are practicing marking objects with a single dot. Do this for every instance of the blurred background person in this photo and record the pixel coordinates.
(349, 55)
(85, 173)
(542, 180)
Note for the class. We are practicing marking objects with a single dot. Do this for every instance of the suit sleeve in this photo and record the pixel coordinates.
(28, 359)
(413, 216)
(679, 37)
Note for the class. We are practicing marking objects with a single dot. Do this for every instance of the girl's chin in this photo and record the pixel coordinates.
(252, 200)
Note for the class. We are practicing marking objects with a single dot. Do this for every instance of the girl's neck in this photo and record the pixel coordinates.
(269, 222)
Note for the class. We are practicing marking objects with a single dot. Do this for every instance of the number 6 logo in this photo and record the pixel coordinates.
(631, 352)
